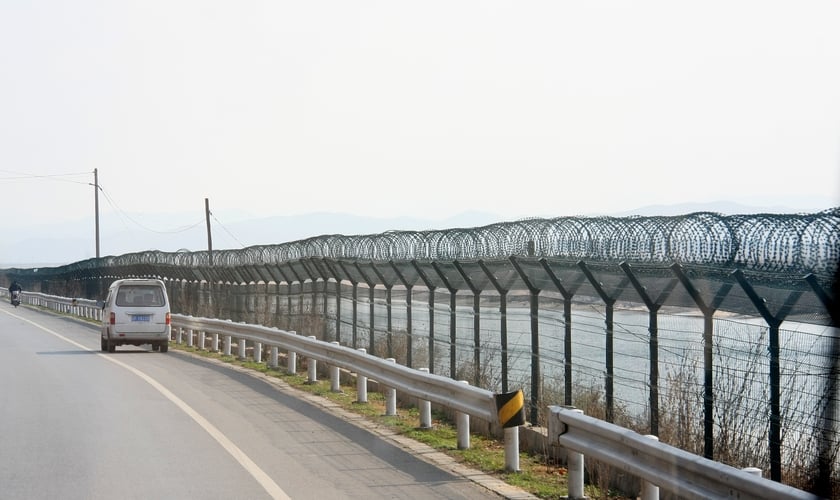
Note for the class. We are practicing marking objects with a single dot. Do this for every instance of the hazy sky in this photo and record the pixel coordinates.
(424, 109)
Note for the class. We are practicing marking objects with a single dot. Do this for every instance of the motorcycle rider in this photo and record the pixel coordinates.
(14, 287)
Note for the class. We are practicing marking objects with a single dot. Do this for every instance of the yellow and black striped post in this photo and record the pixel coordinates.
(511, 408)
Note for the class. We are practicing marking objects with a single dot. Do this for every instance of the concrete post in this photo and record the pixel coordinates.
(275, 355)
(335, 375)
(390, 396)
(425, 409)
(574, 466)
(312, 365)
(361, 383)
(512, 449)
(462, 420)
(649, 490)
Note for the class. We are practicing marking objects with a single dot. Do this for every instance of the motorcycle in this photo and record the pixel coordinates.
(16, 298)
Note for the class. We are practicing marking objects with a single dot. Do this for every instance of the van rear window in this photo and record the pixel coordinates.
(140, 296)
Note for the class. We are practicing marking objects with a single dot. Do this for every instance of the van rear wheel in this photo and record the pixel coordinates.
(164, 346)
(112, 347)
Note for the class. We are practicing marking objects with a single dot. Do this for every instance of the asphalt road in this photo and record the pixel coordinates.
(76, 423)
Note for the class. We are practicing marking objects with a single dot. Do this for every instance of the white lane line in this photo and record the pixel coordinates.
(256, 472)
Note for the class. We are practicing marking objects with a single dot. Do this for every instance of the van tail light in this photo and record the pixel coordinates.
(168, 319)
(113, 319)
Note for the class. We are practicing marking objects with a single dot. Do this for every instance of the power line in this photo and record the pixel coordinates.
(140, 225)
(53, 177)
(226, 230)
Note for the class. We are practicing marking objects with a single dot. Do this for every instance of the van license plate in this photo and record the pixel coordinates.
(141, 317)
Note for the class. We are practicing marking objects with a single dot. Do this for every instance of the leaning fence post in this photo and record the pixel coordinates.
(390, 396)
(361, 383)
(425, 409)
(335, 375)
(649, 490)
(463, 423)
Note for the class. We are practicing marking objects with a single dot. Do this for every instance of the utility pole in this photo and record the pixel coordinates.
(209, 236)
(96, 206)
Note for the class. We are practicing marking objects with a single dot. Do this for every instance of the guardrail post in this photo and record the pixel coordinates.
(243, 344)
(512, 449)
(312, 366)
(390, 396)
(425, 409)
(649, 490)
(274, 356)
(258, 352)
(462, 421)
(179, 335)
(190, 337)
(361, 383)
(228, 342)
(202, 338)
(755, 471)
(335, 375)
(574, 464)
(215, 342)
(291, 359)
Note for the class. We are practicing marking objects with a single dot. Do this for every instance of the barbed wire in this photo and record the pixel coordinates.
(780, 243)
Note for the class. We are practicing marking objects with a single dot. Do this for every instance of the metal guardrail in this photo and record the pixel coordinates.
(447, 392)
(677, 471)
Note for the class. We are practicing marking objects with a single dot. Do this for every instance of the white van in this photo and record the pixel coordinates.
(136, 312)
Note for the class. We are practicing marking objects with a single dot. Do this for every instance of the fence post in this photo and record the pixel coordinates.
(215, 342)
(201, 339)
(390, 396)
(258, 352)
(228, 342)
(361, 383)
(463, 423)
(425, 409)
(189, 337)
